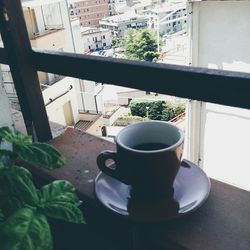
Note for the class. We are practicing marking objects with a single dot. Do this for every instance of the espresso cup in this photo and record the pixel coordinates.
(148, 158)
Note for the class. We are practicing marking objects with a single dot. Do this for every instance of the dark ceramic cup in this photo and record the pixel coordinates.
(148, 158)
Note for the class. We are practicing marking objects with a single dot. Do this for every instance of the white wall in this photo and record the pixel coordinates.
(76, 30)
(69, 42)
(92, 96)
(52, 41)
(220, 40)
(89, 86)
(221, 34)
(227, 144)
(88, 39)
(119, 112)
(55, 109)
(5, 113)
(49, 13)
(90, 102)
(123, 97)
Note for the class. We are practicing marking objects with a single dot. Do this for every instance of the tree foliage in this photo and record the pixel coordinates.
(116, 42)
(141, 45)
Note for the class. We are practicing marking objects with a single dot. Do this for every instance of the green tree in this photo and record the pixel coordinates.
(179, 108)
(168, 111)
(141, 45)
(116, 42)
(155, 110)
(139, 108)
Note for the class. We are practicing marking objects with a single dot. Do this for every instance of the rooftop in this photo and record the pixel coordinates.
(88, 30)
(128, 16)
(35, 3)
(169, 7)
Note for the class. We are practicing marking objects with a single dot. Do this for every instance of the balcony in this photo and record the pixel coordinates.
(44, 40)
(221, 223)
(48, 30)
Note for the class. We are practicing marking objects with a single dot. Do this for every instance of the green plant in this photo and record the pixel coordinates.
(116, 41)
(24, 208)
(168, 111)
(139, 108)
(156, 109)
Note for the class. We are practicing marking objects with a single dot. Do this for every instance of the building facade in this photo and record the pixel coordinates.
(169, 18)
(95, 38)
(90, 12)
(49, 27)
(118, 24)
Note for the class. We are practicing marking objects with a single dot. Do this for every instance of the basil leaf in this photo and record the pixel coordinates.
(17, 188)
(1, 216)
(59, 200)
(40, 154)
(10, 204)
(14, 136)
(7, 158)
(26, 229)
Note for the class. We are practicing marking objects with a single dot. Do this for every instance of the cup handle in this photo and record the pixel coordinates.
(101, 162)
(185, 164)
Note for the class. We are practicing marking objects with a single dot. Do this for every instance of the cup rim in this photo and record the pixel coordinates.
(171, 148)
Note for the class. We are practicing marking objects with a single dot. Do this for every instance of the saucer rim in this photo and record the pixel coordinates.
(179, 215)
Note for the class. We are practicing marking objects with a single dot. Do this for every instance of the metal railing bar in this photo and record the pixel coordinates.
(3, 56)
(216, 86)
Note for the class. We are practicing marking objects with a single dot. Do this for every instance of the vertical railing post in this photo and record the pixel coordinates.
(19, 52)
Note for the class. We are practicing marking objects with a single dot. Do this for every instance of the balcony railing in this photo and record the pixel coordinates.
(46, 32)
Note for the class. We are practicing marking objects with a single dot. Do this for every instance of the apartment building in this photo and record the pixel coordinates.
(118, 24)
(49, 27)
(95, 38)
(90, 12)
(169, 18)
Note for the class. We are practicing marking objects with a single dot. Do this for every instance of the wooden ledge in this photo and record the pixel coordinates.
(221, 223)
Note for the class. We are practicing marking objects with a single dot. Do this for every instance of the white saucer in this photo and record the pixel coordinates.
(191, 189)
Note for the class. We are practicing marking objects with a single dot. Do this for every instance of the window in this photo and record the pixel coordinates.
(103, 36)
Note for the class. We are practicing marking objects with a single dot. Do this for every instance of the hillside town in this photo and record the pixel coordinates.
(97, 28)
